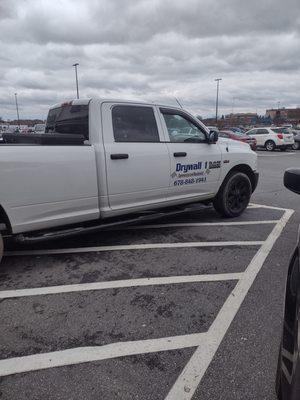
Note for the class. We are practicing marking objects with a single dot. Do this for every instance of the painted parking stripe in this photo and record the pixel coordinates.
(80, 355)
(81, 287)
(190, 377)
(276, 155)
(144, 246)
(198, 224)
(254, 205)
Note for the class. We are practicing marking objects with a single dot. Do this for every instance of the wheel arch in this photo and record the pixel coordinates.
(247, 171)
(5, 220)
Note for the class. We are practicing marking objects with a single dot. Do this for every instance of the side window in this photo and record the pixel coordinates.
(134, 124)
(181, 129)
(262, 131)
(252, 132)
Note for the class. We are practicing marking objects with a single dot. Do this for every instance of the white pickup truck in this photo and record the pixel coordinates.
(100, 162)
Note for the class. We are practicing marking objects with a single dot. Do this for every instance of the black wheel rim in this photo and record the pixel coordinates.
(238, 195)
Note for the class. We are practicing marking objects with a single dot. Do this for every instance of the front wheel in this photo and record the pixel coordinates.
(234, 195)
(1, 247)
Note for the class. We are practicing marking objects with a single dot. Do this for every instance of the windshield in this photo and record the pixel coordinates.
(69, 119)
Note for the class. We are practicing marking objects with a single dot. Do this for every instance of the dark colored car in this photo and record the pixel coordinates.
(241, 137)
(288, 369)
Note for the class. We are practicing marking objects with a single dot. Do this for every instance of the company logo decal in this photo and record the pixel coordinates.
(193, 173)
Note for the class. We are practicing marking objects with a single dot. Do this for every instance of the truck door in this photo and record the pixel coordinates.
(195, 164)
(137, 159)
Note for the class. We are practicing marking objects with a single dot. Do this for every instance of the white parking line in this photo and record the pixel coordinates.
(81, 287)
(144, 246)
(80, 355)
(189, 379)
(276, 155)
(207, 343)
(268, 207)
(198, 224)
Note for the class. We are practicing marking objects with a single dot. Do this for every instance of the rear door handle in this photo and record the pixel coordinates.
(180, 154)
(119, 156)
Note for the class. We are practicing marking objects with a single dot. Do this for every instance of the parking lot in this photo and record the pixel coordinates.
(137, 313)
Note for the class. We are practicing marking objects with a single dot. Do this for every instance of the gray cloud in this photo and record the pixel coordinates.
(150, 49)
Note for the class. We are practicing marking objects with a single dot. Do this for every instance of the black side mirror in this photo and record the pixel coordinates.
(213, 137)
(292, 180)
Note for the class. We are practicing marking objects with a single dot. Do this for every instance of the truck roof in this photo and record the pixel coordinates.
(104, 100)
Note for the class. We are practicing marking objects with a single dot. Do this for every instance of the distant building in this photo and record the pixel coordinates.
(284, 114)
(241, 119)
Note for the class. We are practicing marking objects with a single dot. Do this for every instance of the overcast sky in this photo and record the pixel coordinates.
(152, 50)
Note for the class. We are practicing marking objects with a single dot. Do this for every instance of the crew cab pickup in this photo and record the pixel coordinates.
(102, 161)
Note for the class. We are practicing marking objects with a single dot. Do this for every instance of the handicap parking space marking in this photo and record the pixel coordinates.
(207, 343)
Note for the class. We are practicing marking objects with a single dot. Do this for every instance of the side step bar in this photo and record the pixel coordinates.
(80, 230)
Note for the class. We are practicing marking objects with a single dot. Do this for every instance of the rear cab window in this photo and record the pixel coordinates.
(69, 119)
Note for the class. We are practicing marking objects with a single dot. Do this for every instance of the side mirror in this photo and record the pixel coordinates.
(292, 180)
(213, 137)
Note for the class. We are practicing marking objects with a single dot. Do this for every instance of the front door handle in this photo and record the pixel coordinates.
(180, 154)
(119, 156)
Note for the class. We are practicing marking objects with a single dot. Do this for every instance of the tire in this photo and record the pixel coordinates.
(270, 145)
(1, 247)
(296, 146)
(234, 195)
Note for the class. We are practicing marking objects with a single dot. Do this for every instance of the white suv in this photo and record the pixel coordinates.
(272, 138)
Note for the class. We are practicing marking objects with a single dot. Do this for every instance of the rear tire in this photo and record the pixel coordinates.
(1, 247)
(270, 145)
(234, 195)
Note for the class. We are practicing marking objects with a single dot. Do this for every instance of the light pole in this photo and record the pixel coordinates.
(17, 107)
(75, 66)
(217, 99)
(233, 104)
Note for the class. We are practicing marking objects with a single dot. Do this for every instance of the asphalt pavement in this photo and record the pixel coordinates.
(188, 307)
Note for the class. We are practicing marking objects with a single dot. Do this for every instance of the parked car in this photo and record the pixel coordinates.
(296, 133)
(39, 128)
(272, 138)
(213, 128)
(241, 137)
(100, 160)
(236, 129)
(288, 369)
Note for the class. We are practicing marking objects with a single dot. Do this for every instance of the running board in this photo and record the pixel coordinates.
(80, 230)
